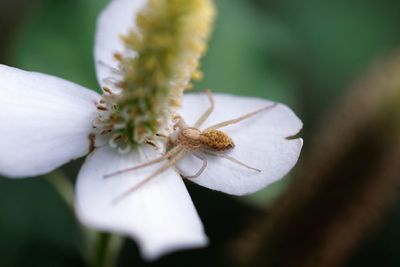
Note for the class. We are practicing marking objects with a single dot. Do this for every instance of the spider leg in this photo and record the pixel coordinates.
(208, 112)
(170, 153)
(233, 121)
(163, 168)
(179, 122)
(200, 171)
(232, 159)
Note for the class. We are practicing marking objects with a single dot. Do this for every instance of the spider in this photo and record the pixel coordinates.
(209, 141)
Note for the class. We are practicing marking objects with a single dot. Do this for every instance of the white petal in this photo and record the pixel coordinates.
(160, 215)
(44, 122)
(260, 142)
(117, 19)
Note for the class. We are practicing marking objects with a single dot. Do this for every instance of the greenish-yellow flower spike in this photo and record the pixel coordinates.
(170, 39)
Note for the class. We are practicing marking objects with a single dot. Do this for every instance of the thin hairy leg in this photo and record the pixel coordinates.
(208, 112)
(246, 116)
(163, 168)
(232, 159)
(200, 171)
(170, 153)
(179, 122)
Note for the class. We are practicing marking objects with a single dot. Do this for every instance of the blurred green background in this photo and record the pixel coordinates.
(302, 53)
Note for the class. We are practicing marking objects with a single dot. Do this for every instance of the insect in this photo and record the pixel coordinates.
(190, 139)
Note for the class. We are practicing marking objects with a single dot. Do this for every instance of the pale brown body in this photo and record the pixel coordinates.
(215, 140)
(211, 141)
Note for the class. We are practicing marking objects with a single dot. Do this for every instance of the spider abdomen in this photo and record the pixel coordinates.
(217, 140)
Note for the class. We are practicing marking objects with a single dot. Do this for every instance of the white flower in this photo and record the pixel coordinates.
(46, 122)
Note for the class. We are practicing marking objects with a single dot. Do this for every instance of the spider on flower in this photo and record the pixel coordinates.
(190, 139)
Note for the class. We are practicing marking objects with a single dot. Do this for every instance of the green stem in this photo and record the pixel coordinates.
(101, 249)
(104, 249)
(63, 186)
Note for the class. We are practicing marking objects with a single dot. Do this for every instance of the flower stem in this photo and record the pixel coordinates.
(100, 249)
(63, 186)
(104, 249)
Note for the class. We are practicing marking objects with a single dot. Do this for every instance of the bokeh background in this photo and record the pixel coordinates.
(307, 54)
